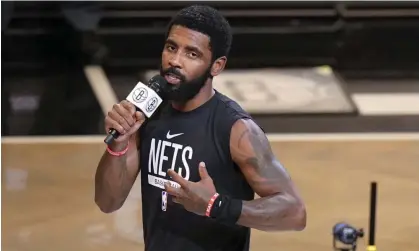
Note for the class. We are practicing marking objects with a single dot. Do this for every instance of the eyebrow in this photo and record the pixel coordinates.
(188, 47)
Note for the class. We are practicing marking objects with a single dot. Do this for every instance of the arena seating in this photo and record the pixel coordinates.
(348, 36)
(46, 44)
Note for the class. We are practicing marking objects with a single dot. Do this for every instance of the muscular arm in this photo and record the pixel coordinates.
(280, 207)
(115, 176)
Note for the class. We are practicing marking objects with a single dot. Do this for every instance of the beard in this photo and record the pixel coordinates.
(185, 90)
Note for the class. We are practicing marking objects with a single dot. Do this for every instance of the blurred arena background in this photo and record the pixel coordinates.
(335, 84)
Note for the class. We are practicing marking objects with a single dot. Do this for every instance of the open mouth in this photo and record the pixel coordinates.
(172, 79)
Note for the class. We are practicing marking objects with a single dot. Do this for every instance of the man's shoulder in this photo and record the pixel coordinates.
(235, 111)
(231, 106)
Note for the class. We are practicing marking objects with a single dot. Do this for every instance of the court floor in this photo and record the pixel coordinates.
(47, 197)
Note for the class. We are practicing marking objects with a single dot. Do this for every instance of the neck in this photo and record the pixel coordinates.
(201, 98)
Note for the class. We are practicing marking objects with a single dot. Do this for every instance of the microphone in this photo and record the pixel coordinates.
(347, 235)
(146, 98)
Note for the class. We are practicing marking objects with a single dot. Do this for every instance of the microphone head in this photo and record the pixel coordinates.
(346, 234)
(148, 97)
(159, 84)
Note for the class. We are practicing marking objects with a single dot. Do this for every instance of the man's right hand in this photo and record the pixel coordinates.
(125, 119)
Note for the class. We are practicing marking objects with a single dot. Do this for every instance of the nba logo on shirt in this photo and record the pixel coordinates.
(163, 200)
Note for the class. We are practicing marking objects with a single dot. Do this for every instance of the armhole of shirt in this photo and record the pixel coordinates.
(233, 115)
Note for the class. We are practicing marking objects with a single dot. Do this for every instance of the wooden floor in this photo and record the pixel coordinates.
(48, 203)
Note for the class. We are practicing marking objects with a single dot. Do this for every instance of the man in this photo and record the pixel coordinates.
(202, 158)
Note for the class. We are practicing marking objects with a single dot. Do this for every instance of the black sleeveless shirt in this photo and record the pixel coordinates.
(180, 140)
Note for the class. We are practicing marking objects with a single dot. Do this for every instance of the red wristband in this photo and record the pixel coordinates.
(117, 153)
(210, 204)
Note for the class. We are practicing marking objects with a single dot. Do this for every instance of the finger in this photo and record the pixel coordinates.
(114, 115)
(129, 106)
(125, 113)
(203, 171)
(176, 200)
(113, 124)
(139, 121)
(139, 116)
(135, 128)
(177, 178)
(172, 190)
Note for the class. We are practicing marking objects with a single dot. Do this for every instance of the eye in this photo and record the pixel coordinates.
(192, 54)
(170, 47)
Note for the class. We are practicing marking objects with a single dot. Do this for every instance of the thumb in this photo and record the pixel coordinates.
(139, 116)
(140, 119)
(203, 171)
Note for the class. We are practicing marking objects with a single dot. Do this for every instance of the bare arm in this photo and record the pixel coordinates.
(280, 206)
(115, 176)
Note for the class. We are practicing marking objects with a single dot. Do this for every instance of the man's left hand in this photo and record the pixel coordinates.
(194, 196)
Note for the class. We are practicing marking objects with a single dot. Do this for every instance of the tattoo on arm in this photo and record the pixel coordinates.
(254, 155)
(280, 207)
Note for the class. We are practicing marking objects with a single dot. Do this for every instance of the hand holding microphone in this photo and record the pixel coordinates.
(126, 117)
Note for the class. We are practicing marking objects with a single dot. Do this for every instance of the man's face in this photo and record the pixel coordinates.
(186, 62)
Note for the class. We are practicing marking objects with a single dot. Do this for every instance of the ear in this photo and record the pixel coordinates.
(218, 66)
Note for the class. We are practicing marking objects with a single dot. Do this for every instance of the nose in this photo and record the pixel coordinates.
(175, 61)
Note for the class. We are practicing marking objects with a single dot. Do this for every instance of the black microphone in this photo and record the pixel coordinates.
(146, 98)
(347, 235)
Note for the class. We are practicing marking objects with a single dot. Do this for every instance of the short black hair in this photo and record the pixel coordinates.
(209, 21)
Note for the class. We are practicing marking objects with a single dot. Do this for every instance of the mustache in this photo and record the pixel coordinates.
(175, 72)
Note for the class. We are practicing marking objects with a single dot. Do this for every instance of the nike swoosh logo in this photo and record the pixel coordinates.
(171, 136)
